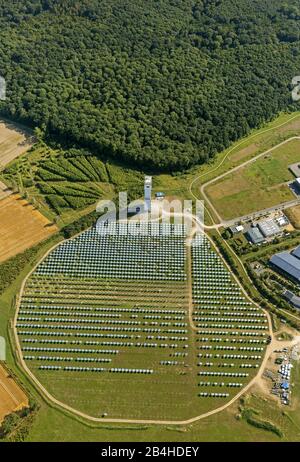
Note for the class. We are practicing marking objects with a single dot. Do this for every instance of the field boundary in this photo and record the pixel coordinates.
(15, 139)
(32, 226)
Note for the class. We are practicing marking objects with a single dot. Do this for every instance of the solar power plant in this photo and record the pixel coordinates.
(104, 325)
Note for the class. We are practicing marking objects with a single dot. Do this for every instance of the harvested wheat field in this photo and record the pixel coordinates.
(4, 191)
(14, 141)
(21, 226)
(12, 397)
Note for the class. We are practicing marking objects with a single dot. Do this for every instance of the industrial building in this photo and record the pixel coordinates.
(268, 227)
(254, 235)
(296, 252)
(288, 264)
(295, 169)
(292, 298)
(282, 220)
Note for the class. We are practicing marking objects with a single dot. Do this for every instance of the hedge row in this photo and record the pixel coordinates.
(10, 269)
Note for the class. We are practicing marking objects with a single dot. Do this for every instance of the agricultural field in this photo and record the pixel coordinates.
(105, 323)
(67, 184)
(14, 141)
(256, 186)
(22, 226)
(293, 214)
(12, 397)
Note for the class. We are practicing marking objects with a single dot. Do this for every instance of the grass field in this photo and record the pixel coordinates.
(14, 141)
(258, 185)
(132, 395)
(21, 226)
(12, 397)
(223, 427)
(282, 128)
(53, 424)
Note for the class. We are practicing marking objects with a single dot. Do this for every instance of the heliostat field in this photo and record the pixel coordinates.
(112, 325)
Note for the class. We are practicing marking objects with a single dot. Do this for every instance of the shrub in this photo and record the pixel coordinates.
(79, 202)
(80, 225)
(82, 164)
(57, 202)
(100, 169)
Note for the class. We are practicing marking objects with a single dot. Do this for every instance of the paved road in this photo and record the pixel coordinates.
(261, 132)
(290, 314)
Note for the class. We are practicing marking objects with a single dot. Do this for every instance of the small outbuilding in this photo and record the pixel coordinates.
(236, 229)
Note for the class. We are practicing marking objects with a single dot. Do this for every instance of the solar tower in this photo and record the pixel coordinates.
(147, 191)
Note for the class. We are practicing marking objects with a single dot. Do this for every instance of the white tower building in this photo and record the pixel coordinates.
(148, 191)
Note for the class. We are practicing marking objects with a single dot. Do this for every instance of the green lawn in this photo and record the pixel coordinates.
(150, 315)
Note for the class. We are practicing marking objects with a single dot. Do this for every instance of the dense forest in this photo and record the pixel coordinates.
(158, 83)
